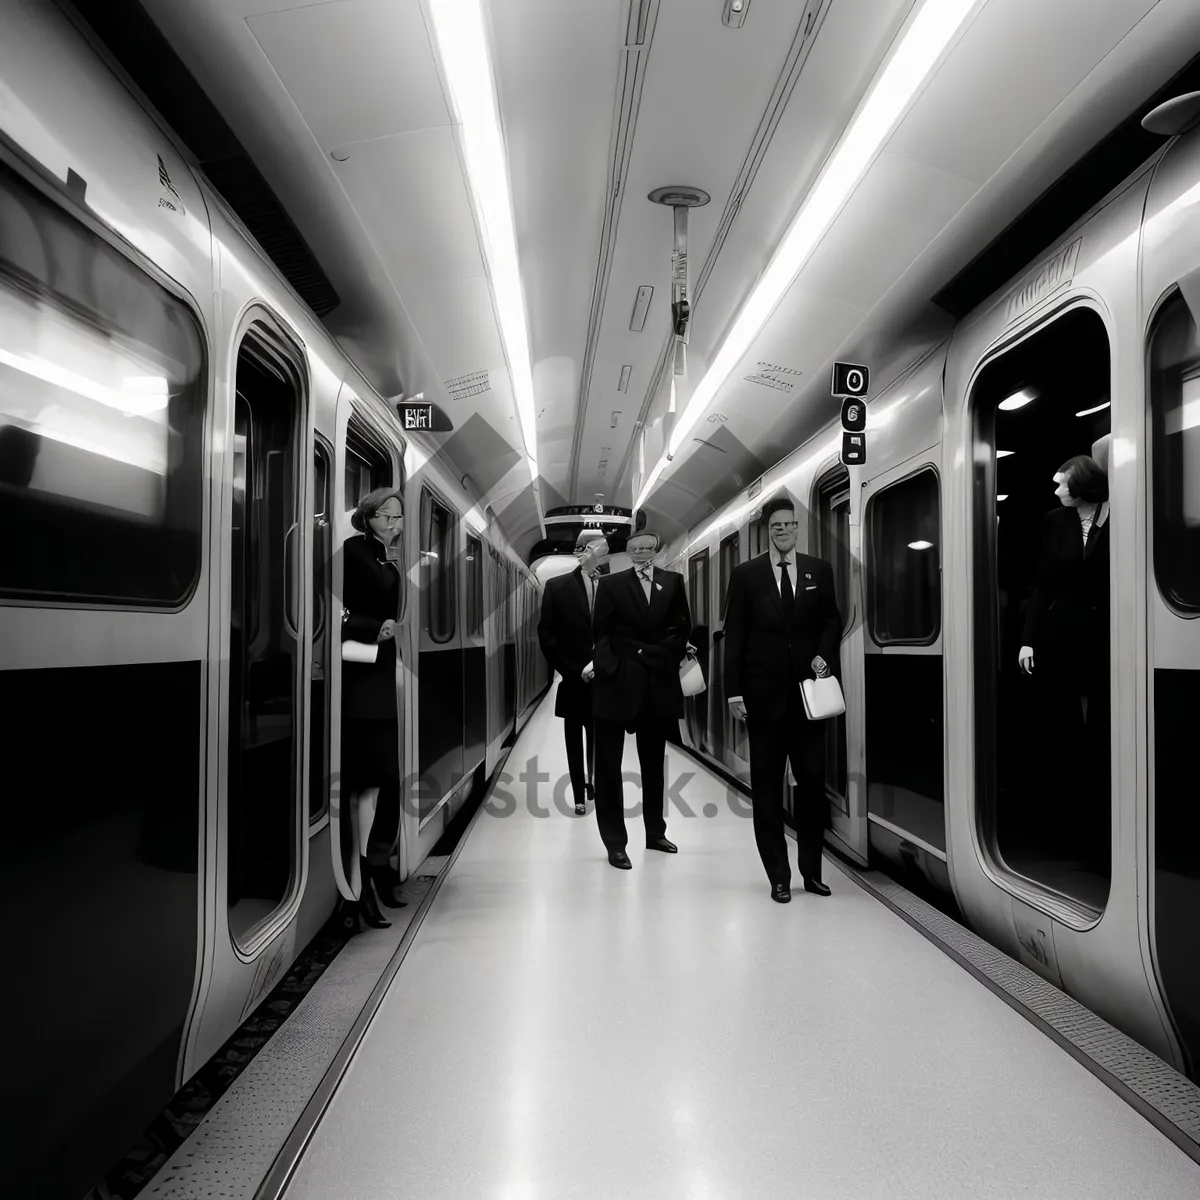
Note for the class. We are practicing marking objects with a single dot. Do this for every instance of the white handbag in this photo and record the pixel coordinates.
(360, 652)
(822, 698)
(691, 676)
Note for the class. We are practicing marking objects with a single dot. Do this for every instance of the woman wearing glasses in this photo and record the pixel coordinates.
(373, 563)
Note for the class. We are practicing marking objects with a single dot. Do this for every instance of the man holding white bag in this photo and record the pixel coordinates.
(782, 627)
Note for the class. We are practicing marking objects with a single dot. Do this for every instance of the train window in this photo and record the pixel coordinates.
(698, 588)
(904, 601)
(438, 567)
(830, 534)
(101, 417)
(368, 465)
(728, 559)
(1175, 417)
(474, 587)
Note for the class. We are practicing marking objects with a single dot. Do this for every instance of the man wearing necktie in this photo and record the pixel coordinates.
(565, 635)
(782, 626)
(641, 627)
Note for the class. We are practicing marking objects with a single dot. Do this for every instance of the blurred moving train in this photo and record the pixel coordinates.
(1092, 349)
(181, 445)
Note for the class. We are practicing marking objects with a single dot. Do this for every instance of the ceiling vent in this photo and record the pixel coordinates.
(463, 387)
(615, 418)
(641, 306)
(640, 12)
(623, 382)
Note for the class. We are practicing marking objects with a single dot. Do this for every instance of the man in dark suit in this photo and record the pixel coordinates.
(641, 629)
(565, 635)
(782, 626)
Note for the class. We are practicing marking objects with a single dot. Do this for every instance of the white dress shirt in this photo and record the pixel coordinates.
(647, 582)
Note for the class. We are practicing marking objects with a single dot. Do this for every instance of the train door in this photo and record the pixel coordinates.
(729, 734)
(1045, 815)
(266, 686)
(902, 668)
(830, 539)
(508, 603)
(1174, 658)
(367, 456)
(475, 698)
(323, 631)
(440, 667)
(696, 707)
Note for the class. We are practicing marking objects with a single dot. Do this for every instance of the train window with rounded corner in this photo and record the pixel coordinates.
(102, 404)
(904, 592)
(437, 566)
(474, 587)
(1175, 423)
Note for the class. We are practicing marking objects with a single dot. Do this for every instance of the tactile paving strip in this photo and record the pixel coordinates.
(1166, 1098)
(234, 1146)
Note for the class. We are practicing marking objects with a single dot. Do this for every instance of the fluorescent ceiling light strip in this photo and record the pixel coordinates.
(459, 29)
(927, 37)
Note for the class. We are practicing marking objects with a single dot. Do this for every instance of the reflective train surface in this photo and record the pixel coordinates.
(938, 766)
(181, 446)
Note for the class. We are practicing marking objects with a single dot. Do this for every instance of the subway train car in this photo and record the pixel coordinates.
(937, 770)
(181, 446)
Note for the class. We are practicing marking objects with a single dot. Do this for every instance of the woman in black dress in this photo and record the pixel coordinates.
(371, 596)
(1066, 647)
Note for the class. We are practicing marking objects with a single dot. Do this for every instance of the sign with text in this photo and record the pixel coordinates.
(850, 379)
(422, 416)
(854, 449)
(854, 415)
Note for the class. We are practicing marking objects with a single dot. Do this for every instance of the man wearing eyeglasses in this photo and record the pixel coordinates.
(782, 626)
(565, 635)
(641, 628)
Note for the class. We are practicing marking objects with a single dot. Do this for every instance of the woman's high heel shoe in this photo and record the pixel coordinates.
(386, 882)
(369, 906)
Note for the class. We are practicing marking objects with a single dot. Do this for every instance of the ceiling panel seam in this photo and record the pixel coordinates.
(807, 28)
(640, 26)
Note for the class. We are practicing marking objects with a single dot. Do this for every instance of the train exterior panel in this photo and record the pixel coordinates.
(183, 445)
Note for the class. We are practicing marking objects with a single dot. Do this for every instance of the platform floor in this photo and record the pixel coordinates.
(563, 1029)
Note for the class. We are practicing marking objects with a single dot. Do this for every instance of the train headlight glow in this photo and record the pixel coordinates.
(467, 69)
(928, 35)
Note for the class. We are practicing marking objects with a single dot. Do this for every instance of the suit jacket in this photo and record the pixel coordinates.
(639, 647)
(767, 651)
(565, 635)
(1066, 621)
(370, 596)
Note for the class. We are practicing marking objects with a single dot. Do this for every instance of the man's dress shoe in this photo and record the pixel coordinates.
(816, 887)
(618, 858)
(580, 808)
(781, 893)
(662, 844)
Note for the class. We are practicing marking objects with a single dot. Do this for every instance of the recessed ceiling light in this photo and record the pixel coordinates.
(921, 545)
(1004, 453)
(1087, 412)
(598, 495)
(915, 57)
(1003, 497)
(1018, 400)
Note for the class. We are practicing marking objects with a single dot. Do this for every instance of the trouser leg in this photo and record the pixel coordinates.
(806, 751)
(573, 736)
(610, 795)
(767, 756)
(589, 729)
(651, 747)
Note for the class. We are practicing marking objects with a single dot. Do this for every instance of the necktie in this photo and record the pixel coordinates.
(785, 587)
(591, 592)
(644, 575)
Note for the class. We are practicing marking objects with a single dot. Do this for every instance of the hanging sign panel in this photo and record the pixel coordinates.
(854, 415)
(850, 379)
(854, 449)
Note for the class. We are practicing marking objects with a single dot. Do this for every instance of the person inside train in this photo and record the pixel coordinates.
(1066, 633)
(373, 562)
(782, 626)
(640, 625)
(565, 635)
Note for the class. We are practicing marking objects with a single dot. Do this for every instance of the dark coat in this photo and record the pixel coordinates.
(638, 647)
(768, 652)
(370, 596)
(1066, 622)
(565, 635)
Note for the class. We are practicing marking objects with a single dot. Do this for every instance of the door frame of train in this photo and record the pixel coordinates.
(349, 403)
(928, 458)
(262, 956)
(850, 830)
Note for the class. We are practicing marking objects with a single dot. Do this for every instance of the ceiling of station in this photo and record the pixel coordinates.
(342, 108)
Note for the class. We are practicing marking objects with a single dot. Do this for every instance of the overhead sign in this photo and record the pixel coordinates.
(854, 449)
(421, 416)
(854, 415)
(850, 379)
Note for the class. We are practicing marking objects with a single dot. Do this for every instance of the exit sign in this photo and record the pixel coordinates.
(417, 416)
